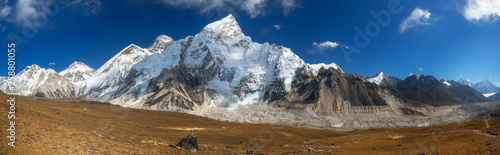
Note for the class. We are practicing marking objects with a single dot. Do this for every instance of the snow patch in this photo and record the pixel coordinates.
(489, 94)
(447, 83)
(377, 79)
(316, 67)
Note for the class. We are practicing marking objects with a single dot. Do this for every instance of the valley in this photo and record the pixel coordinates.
(75, 126)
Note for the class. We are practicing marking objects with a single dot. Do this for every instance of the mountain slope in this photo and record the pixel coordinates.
(108, 78)
(495, 97)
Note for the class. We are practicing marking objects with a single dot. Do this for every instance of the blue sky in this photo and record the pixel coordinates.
(450, 39)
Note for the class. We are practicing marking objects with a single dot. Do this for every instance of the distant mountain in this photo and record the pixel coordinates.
(427, 89)
(78, 73)
(483, 87)
(40, 82)
(466, 82)
(486, 86)
(392, 83)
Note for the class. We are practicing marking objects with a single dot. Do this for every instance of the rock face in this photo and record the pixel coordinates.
(331, 91)
(188, 143)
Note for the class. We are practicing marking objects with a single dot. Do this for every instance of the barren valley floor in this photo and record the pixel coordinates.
(83, 127)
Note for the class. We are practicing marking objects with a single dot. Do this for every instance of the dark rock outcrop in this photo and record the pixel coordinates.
(188, 143)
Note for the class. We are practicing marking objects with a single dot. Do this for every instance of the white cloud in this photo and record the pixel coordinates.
(482, 10)
(418, 17)
(278, 27)
(326, 44)
(52, 63)
(253, 8)
(319, 48)
(31, 12)
(420, 69)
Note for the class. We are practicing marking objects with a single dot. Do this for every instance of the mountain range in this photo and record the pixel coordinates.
(221, 67)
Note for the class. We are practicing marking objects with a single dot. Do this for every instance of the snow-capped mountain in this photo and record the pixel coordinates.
(484, 87)
(220, 58)
(78, 73)
(377, 78)
(111, 75)
(41, 82)
(466, 82)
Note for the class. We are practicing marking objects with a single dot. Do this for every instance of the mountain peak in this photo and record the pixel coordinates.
(77, 63)
(76, 67)
(33, 67)
(377, 78)
(161, 42)
(223, 28)
(466, 82)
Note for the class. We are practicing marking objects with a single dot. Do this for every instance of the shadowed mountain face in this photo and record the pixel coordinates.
(332, 91)
(420, 89)
(495, 97)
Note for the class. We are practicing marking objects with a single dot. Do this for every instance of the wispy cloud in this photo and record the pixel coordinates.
(418, 17)
(326, 44)
(420, 69)
(289, 5)
(253, 8)
(30, 12)
(319, 48)
(52, 64)
(278, 26)
(4, 9)
(477, 10)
